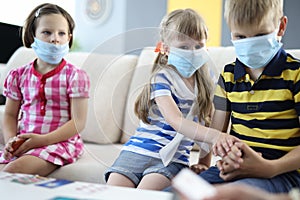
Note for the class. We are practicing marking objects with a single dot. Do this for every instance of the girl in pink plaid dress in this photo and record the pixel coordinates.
(47, 98)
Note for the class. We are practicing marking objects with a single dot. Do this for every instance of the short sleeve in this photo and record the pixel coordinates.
(221, 102)
(160, 86)
(296, 90)
(11, 85)
(79, 84)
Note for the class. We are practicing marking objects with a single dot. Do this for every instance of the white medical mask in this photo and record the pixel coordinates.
(257, 52)
(187, 61)
(49, 53)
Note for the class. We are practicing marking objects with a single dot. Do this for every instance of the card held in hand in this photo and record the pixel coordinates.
(192, 186)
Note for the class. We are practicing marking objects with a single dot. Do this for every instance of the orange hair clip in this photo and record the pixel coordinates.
(159, 47)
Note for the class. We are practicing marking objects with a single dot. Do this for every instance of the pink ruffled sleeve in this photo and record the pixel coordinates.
(79, 84)
(11, 86)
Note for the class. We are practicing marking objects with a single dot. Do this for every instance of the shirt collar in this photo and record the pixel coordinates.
(54, 71)
(273, 68)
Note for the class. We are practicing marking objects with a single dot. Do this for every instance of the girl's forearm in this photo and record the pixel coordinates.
(9, 126)
(64, 132)
(196, 131)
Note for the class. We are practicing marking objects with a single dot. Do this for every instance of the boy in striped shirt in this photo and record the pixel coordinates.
(259, 93)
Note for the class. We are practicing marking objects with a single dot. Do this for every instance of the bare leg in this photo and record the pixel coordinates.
(154, 181)
(119, 180)
(28, 164)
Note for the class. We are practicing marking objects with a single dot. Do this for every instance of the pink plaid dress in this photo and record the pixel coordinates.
(46, 106)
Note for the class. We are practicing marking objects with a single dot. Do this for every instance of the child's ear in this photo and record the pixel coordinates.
(70, 36)
(282, 25)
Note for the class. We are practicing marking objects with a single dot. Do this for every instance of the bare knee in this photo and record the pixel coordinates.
(154, 181)
(119, 180)
(13, 167)
(30, 165)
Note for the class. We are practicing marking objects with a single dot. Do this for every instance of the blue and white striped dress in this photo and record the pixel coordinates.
(150, 138)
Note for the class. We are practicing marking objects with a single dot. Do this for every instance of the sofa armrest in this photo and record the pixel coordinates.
(2, 107)
(2, 75)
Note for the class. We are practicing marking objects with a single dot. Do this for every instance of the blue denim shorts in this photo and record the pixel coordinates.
(135, 166)
(282, 183)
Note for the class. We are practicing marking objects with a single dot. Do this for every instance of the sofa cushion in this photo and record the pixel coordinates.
(294, 52)
(140, 77)
(110, 77)
(91, 166)
(2, 107)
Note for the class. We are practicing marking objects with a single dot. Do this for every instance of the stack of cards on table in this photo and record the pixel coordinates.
(33, 179)
(55, 183)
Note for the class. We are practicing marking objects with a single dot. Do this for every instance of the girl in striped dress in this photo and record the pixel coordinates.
(176, 102)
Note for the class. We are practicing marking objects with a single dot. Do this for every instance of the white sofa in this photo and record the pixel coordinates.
(116, 80)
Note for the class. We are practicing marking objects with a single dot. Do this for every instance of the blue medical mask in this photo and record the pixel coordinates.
(49, 53)
(187, 61)
(257, 52)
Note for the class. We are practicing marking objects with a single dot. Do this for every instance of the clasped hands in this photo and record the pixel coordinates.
(240, 161)
(27, 141)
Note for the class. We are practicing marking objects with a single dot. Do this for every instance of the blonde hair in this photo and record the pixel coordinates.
(252, 12)
(189, 24)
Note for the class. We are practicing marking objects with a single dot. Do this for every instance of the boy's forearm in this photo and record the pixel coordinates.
(220, 120)
(289, 162)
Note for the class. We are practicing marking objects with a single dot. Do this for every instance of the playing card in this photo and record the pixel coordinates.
(27, 179)
(192, 186)
(55, 183)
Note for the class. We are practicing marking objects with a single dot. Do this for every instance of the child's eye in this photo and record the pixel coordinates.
(46, 32)
(184, 47)
(261, 34)
(198, 47)
(62, 33)
(239, 37)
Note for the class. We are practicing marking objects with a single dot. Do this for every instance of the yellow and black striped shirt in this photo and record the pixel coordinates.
(264, 113)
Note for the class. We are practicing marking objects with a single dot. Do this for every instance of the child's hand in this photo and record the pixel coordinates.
(8, 149)
(11, 146)
(198, 168)
(232, 160)
(223, 144)
(252, 165)
(32, 141)
(17, 143)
